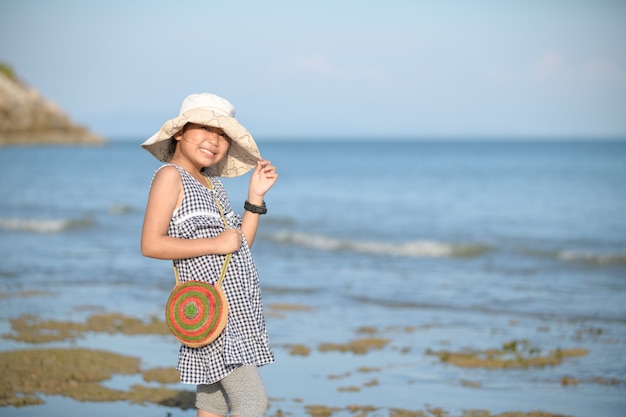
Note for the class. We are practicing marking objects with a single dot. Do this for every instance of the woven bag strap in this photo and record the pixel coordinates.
(227, 260)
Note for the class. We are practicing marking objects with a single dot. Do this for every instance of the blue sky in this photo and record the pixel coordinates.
(428, 69)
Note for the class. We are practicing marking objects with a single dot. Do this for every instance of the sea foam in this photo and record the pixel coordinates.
(592, 258)
(413, 249)
(43, 225)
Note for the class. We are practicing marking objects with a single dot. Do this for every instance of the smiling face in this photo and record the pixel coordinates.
(200, 146)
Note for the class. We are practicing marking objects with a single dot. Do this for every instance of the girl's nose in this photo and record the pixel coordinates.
(213, 138)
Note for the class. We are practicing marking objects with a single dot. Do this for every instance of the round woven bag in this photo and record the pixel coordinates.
(196, 313)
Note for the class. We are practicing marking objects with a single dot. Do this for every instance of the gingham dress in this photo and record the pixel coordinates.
(244, 340)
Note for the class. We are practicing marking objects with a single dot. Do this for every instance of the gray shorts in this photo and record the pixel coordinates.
(241, 392)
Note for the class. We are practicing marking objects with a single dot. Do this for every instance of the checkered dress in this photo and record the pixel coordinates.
(244, 340)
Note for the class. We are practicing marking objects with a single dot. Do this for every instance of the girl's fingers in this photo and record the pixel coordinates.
(266, 167)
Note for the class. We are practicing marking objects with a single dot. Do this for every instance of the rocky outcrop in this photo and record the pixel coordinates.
(27, 118)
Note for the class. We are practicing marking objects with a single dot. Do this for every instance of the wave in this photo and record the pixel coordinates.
(592, 258)
(121, 209)
(589, 257)
(43, 225)
(413, 249)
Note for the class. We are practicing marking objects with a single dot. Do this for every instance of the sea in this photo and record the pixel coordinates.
(455, 245)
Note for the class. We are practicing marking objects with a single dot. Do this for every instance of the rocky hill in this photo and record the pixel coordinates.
(27, 118)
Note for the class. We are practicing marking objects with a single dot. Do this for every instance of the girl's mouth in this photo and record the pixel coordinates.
(206, 151)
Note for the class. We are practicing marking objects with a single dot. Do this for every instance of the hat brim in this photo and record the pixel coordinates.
(243, 152)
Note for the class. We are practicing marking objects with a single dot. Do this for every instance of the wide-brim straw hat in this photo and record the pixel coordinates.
(209, 110)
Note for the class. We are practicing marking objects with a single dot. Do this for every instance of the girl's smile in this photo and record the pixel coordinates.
(207, 151)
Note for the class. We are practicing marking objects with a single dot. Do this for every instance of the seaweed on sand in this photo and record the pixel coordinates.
(513, 354)
(78, 374)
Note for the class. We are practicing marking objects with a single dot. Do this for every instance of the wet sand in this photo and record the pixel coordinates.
(30, 374)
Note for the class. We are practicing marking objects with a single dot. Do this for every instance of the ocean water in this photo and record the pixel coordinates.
(474, 243)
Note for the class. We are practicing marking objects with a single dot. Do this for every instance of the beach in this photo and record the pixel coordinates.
(344, 371)
(425, 279)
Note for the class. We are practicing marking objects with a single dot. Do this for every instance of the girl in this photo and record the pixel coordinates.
(183, 223)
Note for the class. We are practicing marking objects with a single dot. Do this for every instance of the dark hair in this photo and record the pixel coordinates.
(172, 146)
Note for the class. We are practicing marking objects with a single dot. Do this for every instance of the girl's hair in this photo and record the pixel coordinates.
(174, 142)
(172, 145)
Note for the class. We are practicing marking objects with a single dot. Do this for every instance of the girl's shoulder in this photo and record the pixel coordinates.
(167, 174)
(171, 168)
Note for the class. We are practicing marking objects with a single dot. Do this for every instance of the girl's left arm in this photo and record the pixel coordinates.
(262, 179)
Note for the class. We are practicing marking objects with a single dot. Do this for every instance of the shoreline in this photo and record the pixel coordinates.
(54, 343)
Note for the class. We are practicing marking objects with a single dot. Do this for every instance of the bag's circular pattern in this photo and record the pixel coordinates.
(196, 313)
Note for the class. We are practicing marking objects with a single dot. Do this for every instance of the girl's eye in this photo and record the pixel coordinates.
(215, 130)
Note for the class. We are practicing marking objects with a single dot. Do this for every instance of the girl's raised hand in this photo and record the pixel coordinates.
(263, 178)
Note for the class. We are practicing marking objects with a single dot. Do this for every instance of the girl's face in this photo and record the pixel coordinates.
(202, 145)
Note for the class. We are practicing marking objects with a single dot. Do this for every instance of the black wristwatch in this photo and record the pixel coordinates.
(255, 209)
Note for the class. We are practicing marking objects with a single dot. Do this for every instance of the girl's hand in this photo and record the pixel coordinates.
(229, 241)
(263, 178)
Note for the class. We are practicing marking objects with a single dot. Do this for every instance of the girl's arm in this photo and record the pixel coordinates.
(166, 193)
(263, 178)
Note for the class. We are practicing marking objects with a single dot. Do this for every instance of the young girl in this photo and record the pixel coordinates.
(183, 223)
